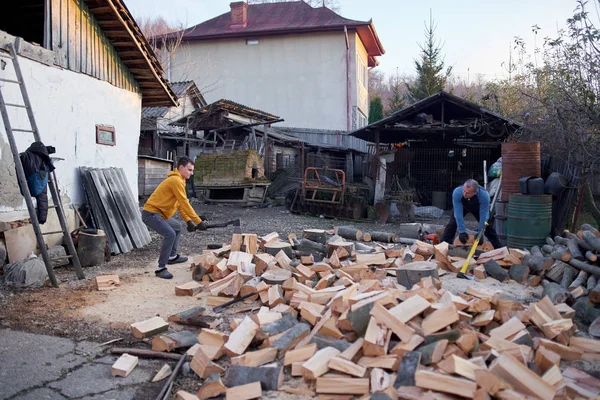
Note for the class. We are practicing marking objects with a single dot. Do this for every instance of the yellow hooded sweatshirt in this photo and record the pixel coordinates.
(170, 196)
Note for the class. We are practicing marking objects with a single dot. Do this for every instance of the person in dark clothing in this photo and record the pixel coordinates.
(470, 198)
(37, 166)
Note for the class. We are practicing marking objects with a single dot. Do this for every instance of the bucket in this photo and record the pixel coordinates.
(518, 160)
(438, 199)
(529, 220)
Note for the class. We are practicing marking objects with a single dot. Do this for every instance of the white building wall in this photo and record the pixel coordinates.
(301, 78)
(67, 107)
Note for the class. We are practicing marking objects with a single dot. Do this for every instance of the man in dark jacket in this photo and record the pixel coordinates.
(38, 166)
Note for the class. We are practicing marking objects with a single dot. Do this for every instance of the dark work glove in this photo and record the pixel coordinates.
(202, 226)
(463, 237)
(191, 226)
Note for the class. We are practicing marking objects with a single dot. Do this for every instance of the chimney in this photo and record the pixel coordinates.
(239, 12)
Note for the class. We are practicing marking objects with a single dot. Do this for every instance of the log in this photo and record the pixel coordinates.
(550, 242)
(561, 253)
(342, 385)
(124, 365)
(346, 249)
(246, 392)
(561, 240)
(291, 338)
(556, 293)
(348, 232)
(275, 247)
(590, 228)
(286, 322)
(316, 235)
(445, 383)
(310, 246)
(537, 263)
(410, 231)
(412, 273)
(276, 276)
(573, 247)
(269, 376)
(591, 283)
(519, 273)
(595, 293)
(451, 336)
(592, 240)
(432, 353)
(591, 257)
(174, 340)
(568, 277)
(198, 273)
(385, 237)
(150, 327)
(585, 267)
(580, 242)
(547, 249)
(585, 310)
(407, 369)
(188, 289)
(594, 328)
(493, 269)
(581, 280)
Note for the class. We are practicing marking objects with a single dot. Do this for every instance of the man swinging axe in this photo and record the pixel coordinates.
(158, 213)
(470, 198)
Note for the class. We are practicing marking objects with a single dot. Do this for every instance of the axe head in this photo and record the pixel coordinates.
(237, 226)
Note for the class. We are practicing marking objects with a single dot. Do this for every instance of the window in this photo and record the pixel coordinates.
(362, 120)
(27, 19)
(251, 42)
(361, 71)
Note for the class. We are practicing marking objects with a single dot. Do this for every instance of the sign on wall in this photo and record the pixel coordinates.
(106, 135)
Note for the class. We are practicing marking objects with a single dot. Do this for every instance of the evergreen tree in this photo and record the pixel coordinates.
(396, 100)
(431, 73)
(375, 109)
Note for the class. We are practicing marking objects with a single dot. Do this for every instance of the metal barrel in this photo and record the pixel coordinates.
(529, 220)
(500, 219)
(518, 160)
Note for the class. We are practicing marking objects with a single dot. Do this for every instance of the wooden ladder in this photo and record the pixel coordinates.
(58, 206)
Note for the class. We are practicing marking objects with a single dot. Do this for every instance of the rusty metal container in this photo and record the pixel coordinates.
(518, 160)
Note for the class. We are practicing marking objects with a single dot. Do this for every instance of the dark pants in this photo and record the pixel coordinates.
(169, 229)
(471, 207)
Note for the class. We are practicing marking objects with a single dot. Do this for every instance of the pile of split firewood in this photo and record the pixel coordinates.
(325, 316)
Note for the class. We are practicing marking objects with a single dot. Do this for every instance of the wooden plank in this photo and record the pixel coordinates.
(444, 383)
(521, 378)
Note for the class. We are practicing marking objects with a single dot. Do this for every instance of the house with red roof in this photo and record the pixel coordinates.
(307, 65)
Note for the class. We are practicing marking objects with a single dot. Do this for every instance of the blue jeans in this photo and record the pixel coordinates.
(169, 229)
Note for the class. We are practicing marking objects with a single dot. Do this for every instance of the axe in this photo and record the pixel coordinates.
(236, 223)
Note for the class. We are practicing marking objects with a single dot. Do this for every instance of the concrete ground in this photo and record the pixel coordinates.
(35, 367)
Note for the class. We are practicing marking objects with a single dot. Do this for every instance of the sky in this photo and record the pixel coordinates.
(477, 35)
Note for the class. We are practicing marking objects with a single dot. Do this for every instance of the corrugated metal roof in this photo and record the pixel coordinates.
(180, 89)
(325, 138)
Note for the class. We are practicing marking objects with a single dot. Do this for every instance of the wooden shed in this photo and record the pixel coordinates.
(151, 172)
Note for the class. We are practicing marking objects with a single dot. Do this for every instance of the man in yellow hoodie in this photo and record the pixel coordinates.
(158, 213)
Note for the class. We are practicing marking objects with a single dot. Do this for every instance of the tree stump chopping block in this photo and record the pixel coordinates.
(412, 273)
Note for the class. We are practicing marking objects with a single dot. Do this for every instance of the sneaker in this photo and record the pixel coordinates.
(178, 259)
(163, 273)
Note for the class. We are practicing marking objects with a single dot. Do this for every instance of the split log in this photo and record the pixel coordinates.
(150, 327)
(275, 247)
(193, 317)
(568, 277)
(493, 269)
(592, 240)
(585, 267)
(581, 280)
(276, 276)
(124, 365)
(246, 392)
(250, 287)
(556, 271)
(292, 337)
(451, 336)
(172, 341)
(286, 322)
(107, 282)
(573, 247)
(348, 232)
(341, 248)
(199, 272)
(269, 376)
(212, 387)
(412, 273)
(519, 273)
(556, 293)
(432, 353)
(407, 369)
(316, 235)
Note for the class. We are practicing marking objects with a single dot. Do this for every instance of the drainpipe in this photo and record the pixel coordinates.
(348, 119)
